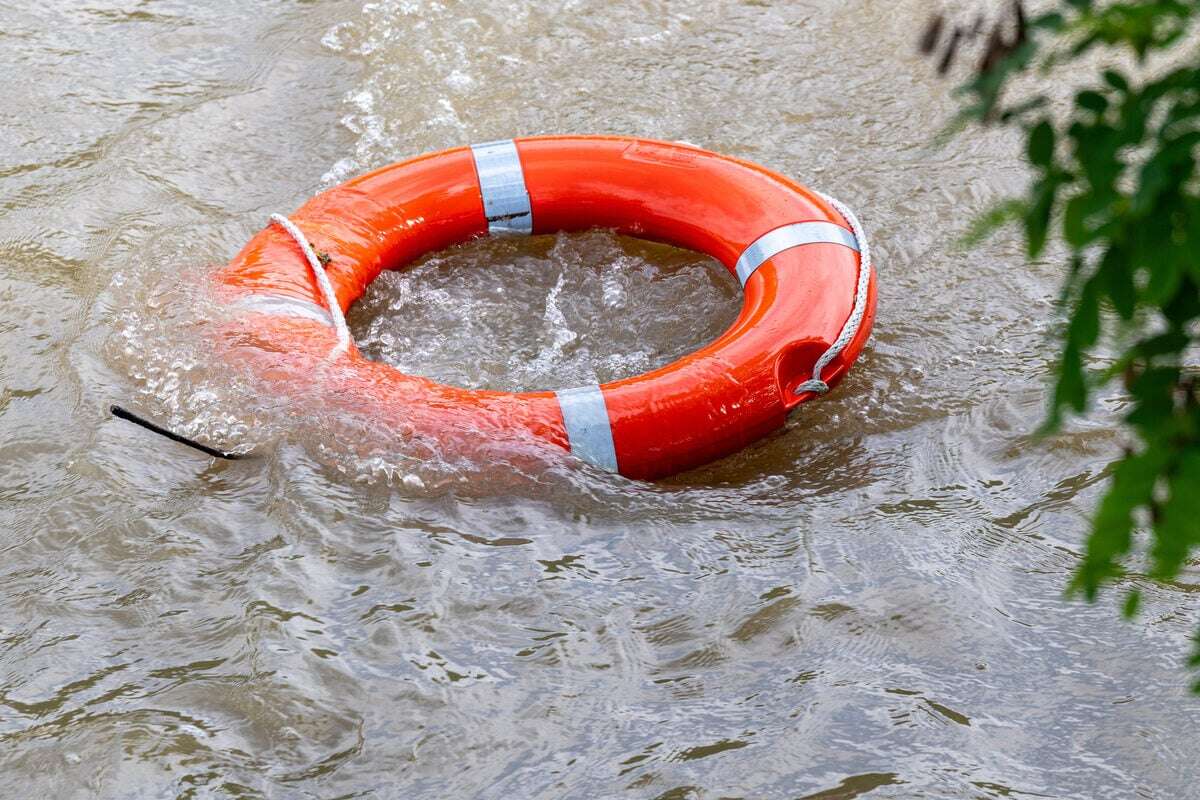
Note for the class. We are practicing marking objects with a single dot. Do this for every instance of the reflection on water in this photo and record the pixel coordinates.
(868, 604)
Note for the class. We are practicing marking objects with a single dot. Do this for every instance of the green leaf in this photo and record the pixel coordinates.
(1162, 344)
(1052, 21)
(1118, 282)
(1133, 601)
(1037, 216)
(1194, 264)
(1075, 229)
(1078, 227)
(1184, 306)
(1116, 80)
(1194, 659)
(1040, 149)
(1178, 527)
(1071, 390)
(1165, 171)
(1097, 149)
(1084, 328)
(1015, 112)
(1092, 101)
(1132, 487)
(996, 217)
(1153, 413)
(1165, 277)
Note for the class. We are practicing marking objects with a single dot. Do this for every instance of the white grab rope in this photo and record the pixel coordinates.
(854, 322)
(314, 263)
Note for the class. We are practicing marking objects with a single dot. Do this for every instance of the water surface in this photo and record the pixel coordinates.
(868, 604)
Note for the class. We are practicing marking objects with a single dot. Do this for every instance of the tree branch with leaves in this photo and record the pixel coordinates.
(1114, 180)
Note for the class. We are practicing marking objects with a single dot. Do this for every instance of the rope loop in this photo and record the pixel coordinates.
(854, 322)
(314, 263)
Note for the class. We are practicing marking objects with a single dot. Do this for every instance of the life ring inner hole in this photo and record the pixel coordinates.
(542, 312)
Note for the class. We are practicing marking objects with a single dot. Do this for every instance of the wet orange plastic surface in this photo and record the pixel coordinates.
(706, 405)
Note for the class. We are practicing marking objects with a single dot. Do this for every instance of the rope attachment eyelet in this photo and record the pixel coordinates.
(861, 291)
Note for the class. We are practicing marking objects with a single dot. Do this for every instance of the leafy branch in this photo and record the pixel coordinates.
(1114, 179)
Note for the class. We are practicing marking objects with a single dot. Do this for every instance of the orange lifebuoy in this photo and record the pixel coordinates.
(796, 256)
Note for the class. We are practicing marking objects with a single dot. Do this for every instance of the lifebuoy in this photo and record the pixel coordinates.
(808, 296)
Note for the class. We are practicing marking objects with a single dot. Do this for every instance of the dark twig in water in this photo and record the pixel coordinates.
(129, 416)
(998, 45)
(933, 32)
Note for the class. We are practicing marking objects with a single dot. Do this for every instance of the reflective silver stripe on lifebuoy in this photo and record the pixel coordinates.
(775, 242)
(285, 307)
(502, 184)
(588, 428)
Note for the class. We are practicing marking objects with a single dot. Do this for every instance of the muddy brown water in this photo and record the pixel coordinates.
(868, 604)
